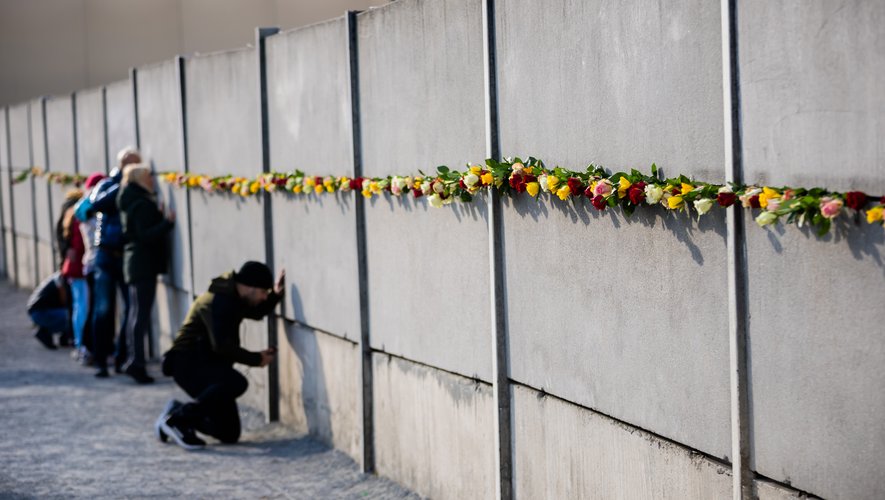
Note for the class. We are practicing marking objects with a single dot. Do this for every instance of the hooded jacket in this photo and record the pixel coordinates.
(211, 330)
(102, 203)
(144, 230)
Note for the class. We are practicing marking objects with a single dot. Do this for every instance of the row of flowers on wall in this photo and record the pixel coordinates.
(515, 176)
(61, 178)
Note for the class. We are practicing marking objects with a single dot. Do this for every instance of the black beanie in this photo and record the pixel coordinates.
(254, 274)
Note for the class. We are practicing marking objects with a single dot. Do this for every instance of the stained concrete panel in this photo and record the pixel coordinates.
(5, 196)
(766, 490)
(160, 131)
(27, 266)
(422, 102)
(564, 451)
(43, 222)
(618, 83)
(60, 134)
(223, 130)
(633, 317)
(20, 150)
(223, 122)
(817, 358)
(632, 320)
(4, 143)
(120, 104)
(171, 306)
(813, 110)
(91, 149)
(253, 337)
(320, 389)
(309, 115)
(434, 431)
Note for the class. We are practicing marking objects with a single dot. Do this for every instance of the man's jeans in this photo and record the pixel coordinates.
(53, 320)
(80, 304)
(108, 279)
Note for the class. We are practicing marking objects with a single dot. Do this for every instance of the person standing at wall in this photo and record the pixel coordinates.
(207, 345)
(70, 242)
(109, 266)
(144, 257)
(87, 231)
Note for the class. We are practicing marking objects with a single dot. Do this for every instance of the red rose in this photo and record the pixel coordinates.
(726, 199)
(417, 193)
(575, 185)
(356, 184)
(754, 201)
(855, 200)
(514, 180)
(636, 193)
(589, 192)
(598, 202)
(529, 178)
(882, 201)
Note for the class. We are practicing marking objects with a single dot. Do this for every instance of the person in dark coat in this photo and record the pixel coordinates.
(204, 351)
(48, 307)
(144, 257)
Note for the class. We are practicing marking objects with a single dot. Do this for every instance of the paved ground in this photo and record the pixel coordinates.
(64, 434)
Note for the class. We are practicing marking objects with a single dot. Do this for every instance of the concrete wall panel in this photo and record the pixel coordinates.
(121, 117)
(811, 89)
(5, 197)
(433, 430)
(565, 451)
(223, 122)
(622, 84)
(22, 196)
(91, 149)
(641, 333)
(44, 225)
(421, 106)
(19, 137)
(159, 116)
(60, 134)
(816, 323)
(172, 305)
(26, 273)
(320, 386)
(253, 336)
(309, 115)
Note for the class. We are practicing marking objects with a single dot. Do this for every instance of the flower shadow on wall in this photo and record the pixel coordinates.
(580, 212)
(474, 211)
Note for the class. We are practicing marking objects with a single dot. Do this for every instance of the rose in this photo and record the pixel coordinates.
(425, 187)
(876, 214)
(552, 182)
(603, 188)
(686, 188)
(471, 179)
(830, 207)
(726, 199)
(356, 184)
(575, 185)
(517, 167)
(598, 202)
(636, 193)
(486, 178)
(542, 181)
(397, 184)
(703, 205)
(750, 198)
(563, 192)
(532, 188)
(773, 204)
(653, 194)
(675, 202)
(855, 200)
(438, 187)
(435, 200)
(623, 185)
(766, 218)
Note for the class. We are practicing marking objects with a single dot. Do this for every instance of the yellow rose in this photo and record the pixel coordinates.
(367, 193)
(486, 178)
(310, 182)
(876, 214)
(564, 192)
(475, 170)
(373, 186)
(318, 189)
(552, 181)
(253, 188)
(623, 186)
(767, 194)
(686, 188)
(244, 190)
(297, 188)
(532, 188)
(675, 202)
(529, 170)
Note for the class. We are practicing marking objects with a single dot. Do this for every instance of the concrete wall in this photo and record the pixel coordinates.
(91, 143)
(23, 194)
(814, 115)
(162, 146)
(223, 131)
(43, 220)
(62, 151)
(120, 109)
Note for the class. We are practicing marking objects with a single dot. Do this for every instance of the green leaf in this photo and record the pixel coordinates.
(442, 169)
(824, 227)
(654, 171)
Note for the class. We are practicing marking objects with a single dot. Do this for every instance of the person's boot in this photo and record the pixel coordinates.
(176, 427)
(139, 375)
(45, 337)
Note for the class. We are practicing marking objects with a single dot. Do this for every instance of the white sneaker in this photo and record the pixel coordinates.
(171, 406)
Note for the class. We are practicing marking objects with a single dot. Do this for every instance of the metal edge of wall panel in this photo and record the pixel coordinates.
(273, 370)
(500, 364)
(33, 183)
(737, 259)
(367, 431)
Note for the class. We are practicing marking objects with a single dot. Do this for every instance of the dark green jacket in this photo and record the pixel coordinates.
(212, 327)
(144, 229)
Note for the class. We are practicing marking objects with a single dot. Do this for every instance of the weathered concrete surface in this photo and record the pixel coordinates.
(91, 149)
(67, 434)
(44, 222)
(320, 386)
(172, 305)
(817, 358)
(421, 97)
(60, 134)
(766, 490)
(433, 430)
(309, 117)
(565, 451)
(644, 334)
(253, 336)
(120, 117)
(813, 110)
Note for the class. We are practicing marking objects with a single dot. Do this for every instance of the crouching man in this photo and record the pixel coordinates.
(207, 345)
(48, 307)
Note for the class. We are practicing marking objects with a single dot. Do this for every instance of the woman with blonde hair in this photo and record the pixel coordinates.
(144, 257)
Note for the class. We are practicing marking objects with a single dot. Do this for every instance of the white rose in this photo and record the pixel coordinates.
(471, 179)
(425, 187)
(703, 205)
(366, 183)
(725, 189)
(653, 194)
(435, 200)
(766, 218)
(438, 187)
(542, 181)
(517, 167)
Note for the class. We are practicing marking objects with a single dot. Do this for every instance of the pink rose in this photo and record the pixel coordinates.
(603, 188)
(830, 207)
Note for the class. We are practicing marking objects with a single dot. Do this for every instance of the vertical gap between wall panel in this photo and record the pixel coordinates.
(500, 362)
(273, 370)
(367, 434)
(10, 229)
(742, 486)
(35, 254)
(53, 244)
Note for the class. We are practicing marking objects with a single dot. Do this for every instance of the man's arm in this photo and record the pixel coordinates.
(105, 200)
